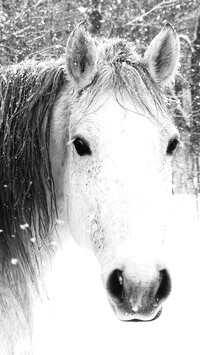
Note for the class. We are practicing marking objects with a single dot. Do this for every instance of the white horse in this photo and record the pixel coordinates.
(89, 142)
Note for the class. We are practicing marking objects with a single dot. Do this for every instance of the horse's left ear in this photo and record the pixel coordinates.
(163, 55)
(81, 56)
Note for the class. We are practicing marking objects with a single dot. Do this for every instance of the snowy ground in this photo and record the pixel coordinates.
(82, 321)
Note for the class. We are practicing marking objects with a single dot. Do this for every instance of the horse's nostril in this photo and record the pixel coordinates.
(133, 296)
(115, 284)
(164, 286)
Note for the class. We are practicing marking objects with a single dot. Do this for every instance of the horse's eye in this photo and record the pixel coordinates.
(82, 147)
(173, 142)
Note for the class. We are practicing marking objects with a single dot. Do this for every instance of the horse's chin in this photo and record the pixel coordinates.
(145, 319)
(137, 317)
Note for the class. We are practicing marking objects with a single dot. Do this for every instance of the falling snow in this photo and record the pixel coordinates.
(14, 261)
(82, 9)
(60, 222)
(53, 243)
(24, 226)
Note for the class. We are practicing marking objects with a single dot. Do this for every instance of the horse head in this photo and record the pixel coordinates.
(112, 142)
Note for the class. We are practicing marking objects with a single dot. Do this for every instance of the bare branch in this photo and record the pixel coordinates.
(158, 6)
(19, 32)
(187, 40)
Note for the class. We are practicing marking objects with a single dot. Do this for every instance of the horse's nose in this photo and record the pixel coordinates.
(138, 299)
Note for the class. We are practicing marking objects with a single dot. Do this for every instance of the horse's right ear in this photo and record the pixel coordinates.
(81, 57)
(162, 56)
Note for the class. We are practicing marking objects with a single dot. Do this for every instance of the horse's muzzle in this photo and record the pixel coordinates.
(137, 300)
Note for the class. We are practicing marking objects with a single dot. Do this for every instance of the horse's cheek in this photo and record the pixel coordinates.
(79, 201)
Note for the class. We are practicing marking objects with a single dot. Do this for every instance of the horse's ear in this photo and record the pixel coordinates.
(81, 56)
(163, 54)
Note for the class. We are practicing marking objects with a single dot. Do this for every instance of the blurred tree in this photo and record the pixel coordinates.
(95, 17)
(195, 94)
(195, 88)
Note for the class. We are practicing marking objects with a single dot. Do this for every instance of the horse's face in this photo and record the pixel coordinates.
(114, 187)
(118, 182)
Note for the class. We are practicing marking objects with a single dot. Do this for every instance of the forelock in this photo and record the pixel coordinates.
(121, 68)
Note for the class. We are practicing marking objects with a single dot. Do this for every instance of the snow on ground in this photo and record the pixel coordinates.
(82, 321)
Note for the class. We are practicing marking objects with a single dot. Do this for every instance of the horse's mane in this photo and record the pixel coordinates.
(27, 200)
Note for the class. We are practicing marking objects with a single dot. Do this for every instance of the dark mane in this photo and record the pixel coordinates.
(27, 93)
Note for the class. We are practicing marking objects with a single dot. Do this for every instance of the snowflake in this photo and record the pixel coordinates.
(24, 226)
(60, 222)
(82, 9)
(14, 261)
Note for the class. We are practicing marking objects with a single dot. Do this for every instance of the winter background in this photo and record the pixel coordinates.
(78, 318)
